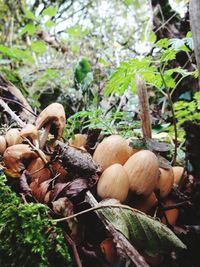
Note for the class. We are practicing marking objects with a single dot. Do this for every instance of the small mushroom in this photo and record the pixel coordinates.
(13, 137)
(14, 158)
(53, 119)
(79, 140)
(113, 183)
(30, 131)
(3, 144)
(165, 181)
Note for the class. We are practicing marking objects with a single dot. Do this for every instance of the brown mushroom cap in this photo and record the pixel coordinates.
(145, 204)
(113, 183)
(165, 181)
(143, 170)
(113, 149)
(178, 172)
(14, 156)
(29, 131)
(55, 115)
(13, 137)
(3, 144)
(79, 140)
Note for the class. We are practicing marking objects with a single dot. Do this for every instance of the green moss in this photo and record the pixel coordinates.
(27, 236)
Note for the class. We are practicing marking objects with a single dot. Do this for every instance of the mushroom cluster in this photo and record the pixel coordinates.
(133, 176)
(23, 148)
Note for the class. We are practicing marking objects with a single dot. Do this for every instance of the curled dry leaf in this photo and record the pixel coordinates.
(39, 190)
(24, 184)
(71, 190)
(60, 172)
(38, 170)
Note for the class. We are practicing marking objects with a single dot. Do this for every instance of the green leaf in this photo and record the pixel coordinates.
(152, 37)
(38, 47)
(189, 34)
(145, 233)
(29, 14)
(29, 28)
(6, 51)
(164, 43)
(168, 55)
(128, 2)
(50, 23)
(196, 74)
(50, 11)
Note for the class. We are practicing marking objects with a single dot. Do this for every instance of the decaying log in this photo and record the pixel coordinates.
(92, 137)
(76, 161)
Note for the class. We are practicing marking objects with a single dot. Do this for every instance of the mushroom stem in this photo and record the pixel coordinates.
(36, 143)
(38, 151)
(45, 135)
(41, 155)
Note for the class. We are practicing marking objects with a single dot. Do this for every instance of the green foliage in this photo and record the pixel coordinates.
(50, 11)
(145, 233)
(81, 71)
(27, 236)
(154, 71)
(186, 110)
(118, 122)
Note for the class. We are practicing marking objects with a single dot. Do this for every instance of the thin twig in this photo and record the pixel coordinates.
(74, 249)
(18, 103)
(12, 113)
(177, 206)
(93, 209)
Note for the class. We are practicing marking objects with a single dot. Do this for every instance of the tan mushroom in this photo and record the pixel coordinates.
(53, 119)
(3, 144)
(14, 158)
(13, 137)
(79, 140)
(30, 131)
